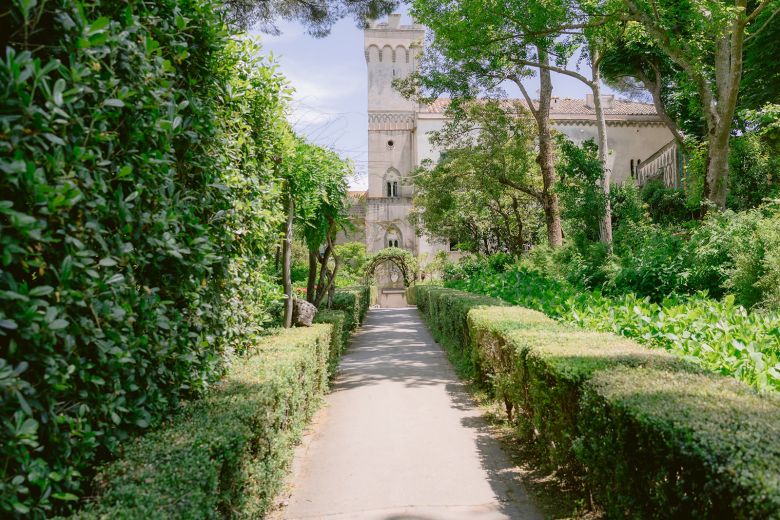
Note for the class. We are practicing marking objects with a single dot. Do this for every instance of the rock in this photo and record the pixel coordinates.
(303, 313)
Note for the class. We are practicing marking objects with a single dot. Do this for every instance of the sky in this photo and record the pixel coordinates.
(329, 77)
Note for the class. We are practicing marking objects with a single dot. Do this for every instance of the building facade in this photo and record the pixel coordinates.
(398, 137)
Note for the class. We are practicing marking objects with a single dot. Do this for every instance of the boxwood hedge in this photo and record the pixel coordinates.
(354, 301)
(647, 432)
(223, 456)
(339, 337)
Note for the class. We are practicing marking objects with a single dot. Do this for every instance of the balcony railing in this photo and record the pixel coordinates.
(666, 164)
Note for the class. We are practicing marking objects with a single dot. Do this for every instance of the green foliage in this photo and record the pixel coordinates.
(404, 260)
(659, 444)
(486, 190)
(755, 276)
(753, 172)
(352, 263)
(225, 455)
(666, 205)
(318, 181)
(641, 428)
(354, 301)
(339, 335)
(139, 145)
(649, 261)
(582, 200)
(626, 203)
(318, 17)
(720, 336)
(445, 310)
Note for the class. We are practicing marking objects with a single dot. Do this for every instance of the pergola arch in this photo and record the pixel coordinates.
(400, 258)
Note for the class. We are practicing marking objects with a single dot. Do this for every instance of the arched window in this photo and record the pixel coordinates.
(393, 237)
(392, 183)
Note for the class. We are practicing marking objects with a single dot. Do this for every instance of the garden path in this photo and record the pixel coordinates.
(400, 439)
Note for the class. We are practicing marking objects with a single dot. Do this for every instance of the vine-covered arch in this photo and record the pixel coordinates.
(401, 258)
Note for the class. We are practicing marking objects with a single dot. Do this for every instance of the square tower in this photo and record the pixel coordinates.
(391, 52)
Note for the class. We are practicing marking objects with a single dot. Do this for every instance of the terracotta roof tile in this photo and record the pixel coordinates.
(569, 107)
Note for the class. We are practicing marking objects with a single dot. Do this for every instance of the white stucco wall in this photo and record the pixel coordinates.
(636, 141)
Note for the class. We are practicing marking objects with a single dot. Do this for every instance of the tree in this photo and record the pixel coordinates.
(707, 41)
(314, 198)
(486, 191)
(502, 40)
(464, 60)
(322, 213)
(635, 65)
(317, 15)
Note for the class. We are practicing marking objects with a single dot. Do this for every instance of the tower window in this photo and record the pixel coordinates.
(390, 144)
(392, 188)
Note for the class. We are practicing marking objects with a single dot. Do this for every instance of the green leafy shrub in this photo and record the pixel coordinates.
(354, 301)
(225, 455)
(626, 204)
(666, 206)
(339, 337)
(754, 277)
(352, 263)
(753, 175)
(649, 260)
(537, 367)
(445, 311)
(137, 151)
(719, 335)
(645, 431)
(583, 202)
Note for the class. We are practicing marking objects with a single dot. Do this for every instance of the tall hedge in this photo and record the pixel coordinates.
(138, 144)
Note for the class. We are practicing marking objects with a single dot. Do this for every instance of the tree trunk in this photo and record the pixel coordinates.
(321, 285)
(328, 287)
(546, 157)
(289, 207)
(311, 282)
(717, 177)
(728, 74)
(605, 227)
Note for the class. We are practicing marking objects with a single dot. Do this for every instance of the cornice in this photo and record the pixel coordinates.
(391, 121)
(610, 122)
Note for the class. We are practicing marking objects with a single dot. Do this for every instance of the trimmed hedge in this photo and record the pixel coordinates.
(659, 444)
(339, 338)
(224, 455)
(446, 312)
(649, 434)
(354, 301)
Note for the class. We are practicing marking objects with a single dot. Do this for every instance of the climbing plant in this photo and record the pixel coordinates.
(401, 258)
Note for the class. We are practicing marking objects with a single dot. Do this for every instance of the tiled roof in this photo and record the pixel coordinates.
(568, 107)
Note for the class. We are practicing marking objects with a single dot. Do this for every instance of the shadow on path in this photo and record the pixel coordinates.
(401, 439)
